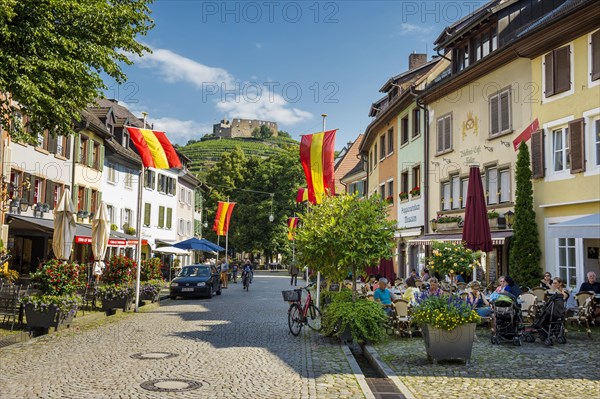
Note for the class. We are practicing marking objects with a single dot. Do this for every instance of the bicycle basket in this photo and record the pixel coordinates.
(291, 295)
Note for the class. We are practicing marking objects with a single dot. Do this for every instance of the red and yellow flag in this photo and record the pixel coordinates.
(302, 195)
(292, 225)
(222, 218)
(317, 156)
(154, 148)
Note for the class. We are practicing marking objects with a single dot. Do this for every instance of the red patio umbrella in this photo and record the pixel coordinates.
(476, 229)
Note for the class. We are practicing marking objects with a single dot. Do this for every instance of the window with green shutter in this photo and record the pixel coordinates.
(147, 209)
(161, 216)
(169, 218)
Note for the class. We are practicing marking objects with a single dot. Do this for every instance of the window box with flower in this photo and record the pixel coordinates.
(389, 199)
(448, 222)
(415, 192)
(493, 219)
(403, 196)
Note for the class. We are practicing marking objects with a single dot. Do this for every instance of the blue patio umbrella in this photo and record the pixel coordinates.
(196, 244)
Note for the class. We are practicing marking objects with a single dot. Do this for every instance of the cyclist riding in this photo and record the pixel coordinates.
(247, 271)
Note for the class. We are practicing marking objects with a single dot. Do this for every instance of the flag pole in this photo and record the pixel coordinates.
(226, 238)
(138, 255)
(319, 273)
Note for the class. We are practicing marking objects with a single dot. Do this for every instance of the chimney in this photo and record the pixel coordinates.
(416, 60)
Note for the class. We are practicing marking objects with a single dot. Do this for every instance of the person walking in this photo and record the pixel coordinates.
(224, 271)
(294, 274)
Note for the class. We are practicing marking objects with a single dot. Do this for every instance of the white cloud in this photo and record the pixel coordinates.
(267, 106)
(410, 29)
(177, 68)
(180, 131)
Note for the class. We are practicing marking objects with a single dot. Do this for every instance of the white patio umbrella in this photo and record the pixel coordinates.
(100, 236)
(64, 227)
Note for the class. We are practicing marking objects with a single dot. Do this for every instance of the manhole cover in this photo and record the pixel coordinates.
(171, 385)
(154, 355)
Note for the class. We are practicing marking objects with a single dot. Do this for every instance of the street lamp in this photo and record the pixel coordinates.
(510, 218)
(271, 217)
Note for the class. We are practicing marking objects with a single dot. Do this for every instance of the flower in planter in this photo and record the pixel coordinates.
(60, 278)
(66, 304)
(119, 270)
(492, 214)
(448, 219)
(114, 291)
(152, 287)
(403, 195)
(151, 269)
(389, 199)
(444, 311)
(451, 259)
(415, 191)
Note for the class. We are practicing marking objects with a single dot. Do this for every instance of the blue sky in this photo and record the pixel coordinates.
(287, 62)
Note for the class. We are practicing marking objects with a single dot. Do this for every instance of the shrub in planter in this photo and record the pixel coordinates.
(44, 311)
(115, 296)
(58, 278)
(451, 259)
(365, 319)
(119, 270)
(150, 289)
(151, 269)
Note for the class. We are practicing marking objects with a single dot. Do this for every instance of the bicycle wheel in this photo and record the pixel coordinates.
(295, 319)
(314, 318)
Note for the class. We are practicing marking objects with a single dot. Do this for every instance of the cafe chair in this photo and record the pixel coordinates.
(584, 312)
(539, 293)
(528, 307)
(402, 321)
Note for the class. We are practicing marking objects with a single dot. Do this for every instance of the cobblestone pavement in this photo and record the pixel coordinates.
(501, 371)
(236, 345)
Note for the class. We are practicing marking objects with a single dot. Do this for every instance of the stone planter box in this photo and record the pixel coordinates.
(40, 322)
(449, 345)
(493, 223)
(447, 226)
(117, 303)
(149, 297)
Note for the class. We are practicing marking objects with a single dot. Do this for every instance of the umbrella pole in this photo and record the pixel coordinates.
(138, 256)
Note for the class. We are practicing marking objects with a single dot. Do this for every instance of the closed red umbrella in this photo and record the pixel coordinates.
(476, 228)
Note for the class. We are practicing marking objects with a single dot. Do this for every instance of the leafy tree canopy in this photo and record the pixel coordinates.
(53, 52)
(283, 133)
(345, 234)
(263, 132)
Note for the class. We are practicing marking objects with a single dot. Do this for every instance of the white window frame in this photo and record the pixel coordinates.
(455, 192)
(546, 100)
(568, 243)
(505, 192)
(561, 132)
(492, 185)
(591, 83)
(447, 119)
(464, 182)
(188, 228)
(592, 166)
(111, 175)
(549, 150)
(499, 94)
(446, 204)
(128, 180)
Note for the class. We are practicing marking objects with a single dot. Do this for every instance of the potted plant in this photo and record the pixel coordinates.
(389, 199)
(449, 259)
(415, 192)
(493, 218)
(150, 289)
(117, 291)
(403, 196)
(359, 321)
(151, 278)
(56, 304)
(448, 222)
(448, 324)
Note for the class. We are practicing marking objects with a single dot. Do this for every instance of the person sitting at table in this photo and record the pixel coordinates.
(410, 281)
(591, 284)
(458, 279)
(546, 282)
(501, 285)
(434, 287)
(426, 276)
(558, 287)
(478, 300)
(511, 287)
(384, 296)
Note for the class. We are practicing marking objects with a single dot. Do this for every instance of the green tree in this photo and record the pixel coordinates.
(263, 132)
(54, 52)
(283, 133)
(525, 253)
(345, 234)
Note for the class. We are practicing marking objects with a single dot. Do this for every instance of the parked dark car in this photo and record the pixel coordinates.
(196, 280)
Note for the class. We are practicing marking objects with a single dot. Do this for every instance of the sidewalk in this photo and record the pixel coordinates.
(500, 371)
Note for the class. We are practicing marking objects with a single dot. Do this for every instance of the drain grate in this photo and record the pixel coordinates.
(171, 385)
(154, 355)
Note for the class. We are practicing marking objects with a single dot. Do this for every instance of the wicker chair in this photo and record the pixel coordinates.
(539, 293)
(528, 307)
(584, 312)
(402, 321)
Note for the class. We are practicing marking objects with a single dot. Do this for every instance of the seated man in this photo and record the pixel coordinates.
(384, 296)
(410, 282)
(591, 284)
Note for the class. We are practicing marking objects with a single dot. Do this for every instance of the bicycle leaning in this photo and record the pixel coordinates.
(300, 314)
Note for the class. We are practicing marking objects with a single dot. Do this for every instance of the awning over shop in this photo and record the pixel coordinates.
(83, 233)
(498, 238)
(412, 232)
(583, 227)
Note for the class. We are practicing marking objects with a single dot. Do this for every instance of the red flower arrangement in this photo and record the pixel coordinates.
(119, 270)
(415, 191)
(60, 278)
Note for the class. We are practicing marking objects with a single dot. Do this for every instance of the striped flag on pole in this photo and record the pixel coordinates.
(221, 225)
(302, 195)
(292, 225)
(154, 148)
(317, 156)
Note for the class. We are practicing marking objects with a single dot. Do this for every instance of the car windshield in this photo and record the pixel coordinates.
(195, 271)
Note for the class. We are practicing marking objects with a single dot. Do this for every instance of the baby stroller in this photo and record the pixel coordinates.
(507, 324)
(550, 324)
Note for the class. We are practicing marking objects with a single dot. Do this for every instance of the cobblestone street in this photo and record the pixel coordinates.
(236, 345)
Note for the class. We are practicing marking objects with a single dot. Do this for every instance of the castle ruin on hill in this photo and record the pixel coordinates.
(238, 127)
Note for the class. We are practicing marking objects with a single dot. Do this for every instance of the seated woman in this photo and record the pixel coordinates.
(501, 285)
(434, 287)
(480, 303)
(512, 287)
(558, 287)
(384, 296)
(546, 282)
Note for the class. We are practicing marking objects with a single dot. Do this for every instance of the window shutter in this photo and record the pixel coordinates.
(577, 145)
(90, 152)
(161, 216)
(440, 135)
(67, 140)
(49, 198)
(76, 144)
(505, 111)
(495, 129)
(448, 133)
(52, 143)
(88, 199)
(147, 209)
(169, 218)
(562, 58)
(101, 158)
(549, 78)
(595, 44)
(537, 154)
(75, 196)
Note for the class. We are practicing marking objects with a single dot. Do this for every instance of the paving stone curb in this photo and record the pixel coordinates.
(373, 357)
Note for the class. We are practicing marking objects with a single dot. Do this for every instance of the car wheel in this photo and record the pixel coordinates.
(210, 293)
